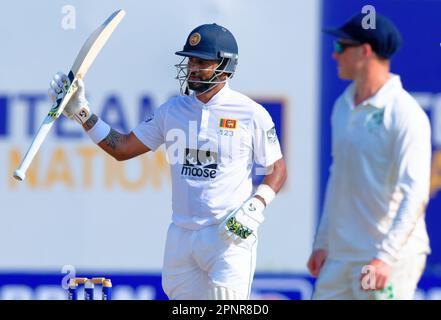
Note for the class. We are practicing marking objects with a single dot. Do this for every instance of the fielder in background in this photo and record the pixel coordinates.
(372, 241)
(213, 135)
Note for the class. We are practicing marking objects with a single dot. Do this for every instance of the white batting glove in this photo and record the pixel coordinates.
(243, 222)
(78, 107)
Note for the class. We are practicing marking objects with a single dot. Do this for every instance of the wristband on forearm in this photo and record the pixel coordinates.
(266, 193)
(99, 131)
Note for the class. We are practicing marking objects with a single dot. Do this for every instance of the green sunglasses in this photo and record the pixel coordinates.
(340, 47)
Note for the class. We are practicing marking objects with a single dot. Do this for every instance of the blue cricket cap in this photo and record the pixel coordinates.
(385, 39)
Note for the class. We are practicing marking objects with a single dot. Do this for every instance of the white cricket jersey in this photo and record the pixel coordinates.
(380, 177)
(211, 149)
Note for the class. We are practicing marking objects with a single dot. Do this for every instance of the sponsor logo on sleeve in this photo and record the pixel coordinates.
(149, 118)
(271, 135)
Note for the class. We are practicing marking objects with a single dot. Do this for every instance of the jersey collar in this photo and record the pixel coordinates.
(381, 98)
(216, 99)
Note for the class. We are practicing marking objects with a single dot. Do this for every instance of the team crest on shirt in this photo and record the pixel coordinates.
(230, 124)
(374, 120)
(199, 164)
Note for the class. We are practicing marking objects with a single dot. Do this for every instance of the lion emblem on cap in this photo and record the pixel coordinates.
(194, 39)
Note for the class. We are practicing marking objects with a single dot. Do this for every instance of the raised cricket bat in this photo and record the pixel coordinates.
(84, 60)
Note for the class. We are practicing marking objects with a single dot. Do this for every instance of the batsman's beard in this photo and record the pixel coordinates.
(202, 87)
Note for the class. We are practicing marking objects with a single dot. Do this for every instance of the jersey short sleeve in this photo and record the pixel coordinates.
(151, 132)
(266, 146)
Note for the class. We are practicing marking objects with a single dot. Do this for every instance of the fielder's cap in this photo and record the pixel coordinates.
(210, 42)
(385, 39)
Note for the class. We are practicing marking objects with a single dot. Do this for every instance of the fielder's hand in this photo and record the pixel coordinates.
(377, 271)
(243, 222)
(316, 261)
(78, 106)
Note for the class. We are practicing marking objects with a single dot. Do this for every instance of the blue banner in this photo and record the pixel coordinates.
(48, 286)
(3, 116)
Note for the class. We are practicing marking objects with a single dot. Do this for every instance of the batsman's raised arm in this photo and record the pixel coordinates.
(118, 145)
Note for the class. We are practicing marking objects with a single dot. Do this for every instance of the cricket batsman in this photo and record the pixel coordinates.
(213, 137)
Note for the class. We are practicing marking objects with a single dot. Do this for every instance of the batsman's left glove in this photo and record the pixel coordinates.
(78, 107)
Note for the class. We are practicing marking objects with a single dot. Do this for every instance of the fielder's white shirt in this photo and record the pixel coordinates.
(380, 177)
(211, 149)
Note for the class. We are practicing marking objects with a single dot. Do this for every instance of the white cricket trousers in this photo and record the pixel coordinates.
(340, 280)
(198, 264)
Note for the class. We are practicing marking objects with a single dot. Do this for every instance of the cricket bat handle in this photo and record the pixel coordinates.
(45, 127)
